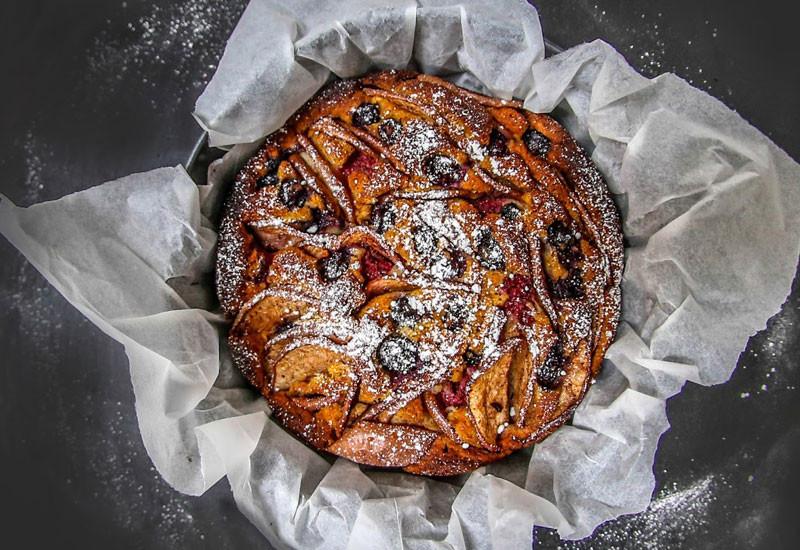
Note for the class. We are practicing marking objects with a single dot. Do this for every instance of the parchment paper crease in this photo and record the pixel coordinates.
(709, 205)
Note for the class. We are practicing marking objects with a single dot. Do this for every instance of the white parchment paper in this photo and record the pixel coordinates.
(709, 206)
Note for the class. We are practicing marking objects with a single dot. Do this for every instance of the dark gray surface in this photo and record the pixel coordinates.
(93, 90)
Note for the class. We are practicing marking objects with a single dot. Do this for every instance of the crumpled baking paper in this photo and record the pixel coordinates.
(281, 52)
(709, 207)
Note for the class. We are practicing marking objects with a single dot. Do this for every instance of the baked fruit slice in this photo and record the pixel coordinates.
(419, 277)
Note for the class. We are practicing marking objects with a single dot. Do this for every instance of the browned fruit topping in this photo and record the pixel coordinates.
(418, 276)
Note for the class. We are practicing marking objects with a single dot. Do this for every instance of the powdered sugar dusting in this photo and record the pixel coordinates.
(767, 355)
(648, 44)
(35, 152)
(149, 502)
(27, 295)
(34, 303)
(177, 38)
(417, 141)
(672, 520)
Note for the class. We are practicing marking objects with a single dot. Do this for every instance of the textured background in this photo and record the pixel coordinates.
(96, 89)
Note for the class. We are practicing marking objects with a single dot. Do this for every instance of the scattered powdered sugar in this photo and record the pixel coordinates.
(782, 329)
(179, 42)
(140, 500)
(672, 520)
(769, 351)
(27, 294)
(37, 156)
(341, 297)
(416, 141)
(448, 225)
(476, 150)
(679, 512)
(36, 304)
(34, 152)
(648, 45)
(493, 332)
(365, 338)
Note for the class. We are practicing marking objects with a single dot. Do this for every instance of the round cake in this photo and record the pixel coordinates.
(419, 276)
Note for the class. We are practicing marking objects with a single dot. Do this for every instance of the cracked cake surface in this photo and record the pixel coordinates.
(419, 276)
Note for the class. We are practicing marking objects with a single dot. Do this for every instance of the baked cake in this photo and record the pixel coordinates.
(419, 276)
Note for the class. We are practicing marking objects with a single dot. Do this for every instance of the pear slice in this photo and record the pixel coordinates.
(529, 358)
(259, 319)
(385, 445)
(318, 378)
(488, 395)
(439, 418)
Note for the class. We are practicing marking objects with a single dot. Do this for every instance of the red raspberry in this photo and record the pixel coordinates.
(359, 162)
(518, 286)
(449, 395)
(455, 394)
(518, 289)
(519, 309)
(375, 265)
(489, 205)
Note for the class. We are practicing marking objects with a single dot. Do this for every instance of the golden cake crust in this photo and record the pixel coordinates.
(419, 277)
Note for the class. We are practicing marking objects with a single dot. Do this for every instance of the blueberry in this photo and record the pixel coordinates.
(497, 144)
(536, 142)
(334, 265)
(273, 164)
(559, 235)
(320, 221)
(366, 114)
(570, 256)
(267, 180)
(549, 374)
(458, 262)
(403, 313)
(471, 359)
(569, 287)
(384, 216)
(454, 314)
(510, 211)
(293, 193)
(313, 225)
(442, 170)
(397, 354)
(425, 241)
(489, 253)
(389, 131)
(327, 220)
(565, 242)
(270, 176)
